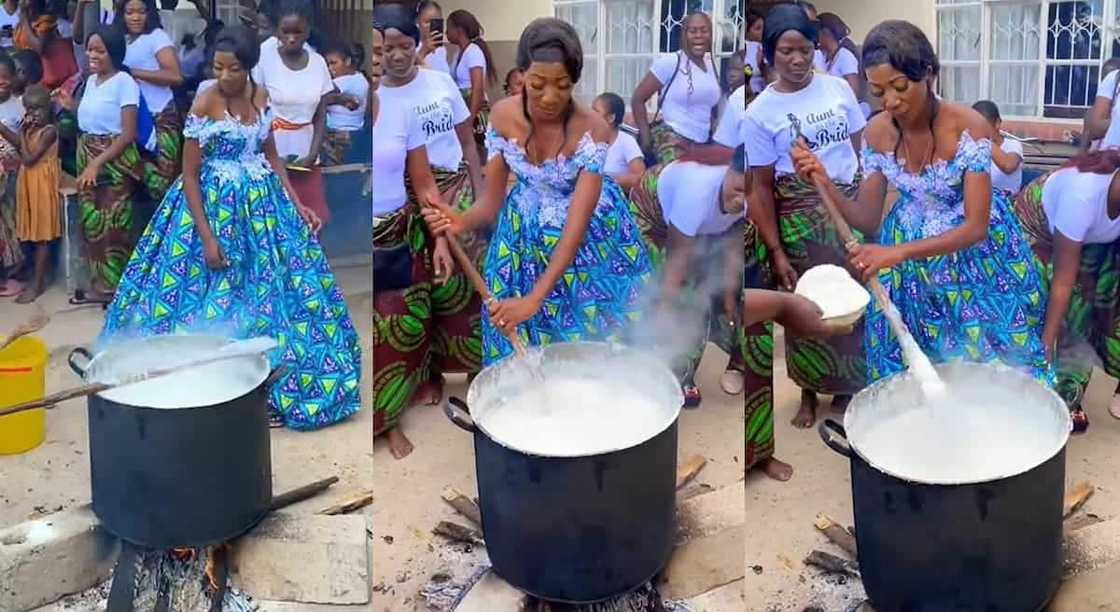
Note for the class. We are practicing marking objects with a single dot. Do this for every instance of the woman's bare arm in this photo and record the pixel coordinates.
(169, 73)
(649, 86)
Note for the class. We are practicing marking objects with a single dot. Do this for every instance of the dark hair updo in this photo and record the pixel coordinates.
(241, 41)
(551, 40)
(904, 47)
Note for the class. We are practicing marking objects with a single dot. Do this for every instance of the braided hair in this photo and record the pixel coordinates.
(904, 47)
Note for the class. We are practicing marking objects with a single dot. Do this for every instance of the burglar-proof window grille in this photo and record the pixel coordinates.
(1034, 58)
(621, 38)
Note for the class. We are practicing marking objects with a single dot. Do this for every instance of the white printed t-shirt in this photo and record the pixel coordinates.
(828, 115)
(395, 133)
(437, 107)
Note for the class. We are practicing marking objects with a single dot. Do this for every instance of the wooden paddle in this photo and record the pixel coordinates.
(36, 322)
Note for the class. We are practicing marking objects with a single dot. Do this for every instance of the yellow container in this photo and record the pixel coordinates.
(23, 373)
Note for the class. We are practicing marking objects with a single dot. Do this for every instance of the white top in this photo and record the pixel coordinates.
(689, 195)
(753, 52)
(622, 151)
(272, 44)
(828, 114)
(437, 60)
(1076, 204)
(141, 55)
(395, 133)
(687, 110)
(1009, 182)
(437, 107)
(8, 20)
(294, 97)
(12, 112)
(843, 64)
(65, 28)
(340, 117)
(471, 57)
(732, 124)
(1107, 89)
(99, 112)
(820, 64)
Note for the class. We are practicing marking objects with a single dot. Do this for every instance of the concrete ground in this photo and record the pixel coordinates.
(407, 502)
(780, 515)
(56, 474)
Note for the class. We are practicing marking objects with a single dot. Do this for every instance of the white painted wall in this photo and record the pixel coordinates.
(862, 15)
(502, 19)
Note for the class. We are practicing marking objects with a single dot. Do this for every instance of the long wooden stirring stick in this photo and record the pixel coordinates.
(471, 271)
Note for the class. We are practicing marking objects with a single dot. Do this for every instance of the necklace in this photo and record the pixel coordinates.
(926, 157)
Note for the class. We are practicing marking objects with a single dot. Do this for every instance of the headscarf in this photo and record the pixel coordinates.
(781, 19)
(397, 17)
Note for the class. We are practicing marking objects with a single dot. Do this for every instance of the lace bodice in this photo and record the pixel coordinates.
(229, 145)
(933, 199)
(545, 190)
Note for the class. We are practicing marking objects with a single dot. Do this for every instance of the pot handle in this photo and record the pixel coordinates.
(275, 375)
(459, 414)
(72, 361)
(827, 428)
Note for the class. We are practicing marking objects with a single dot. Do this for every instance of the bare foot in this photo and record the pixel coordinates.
(399, 445)
(29, 294)
(807, 414)
(777, 469)
(429, 394)
(840, 403)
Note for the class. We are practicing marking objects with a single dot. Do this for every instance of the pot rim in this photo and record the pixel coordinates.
(658, 370)
(109, 350)
(1005, 370)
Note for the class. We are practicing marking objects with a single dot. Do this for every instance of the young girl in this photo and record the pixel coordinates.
(11, 115)
(38, 205)
(231, 247)
(625, 162)
(346, 110)
(514, 79)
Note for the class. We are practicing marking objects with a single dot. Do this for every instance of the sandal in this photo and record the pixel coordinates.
(1114, 406)
(1080, 420)
(732, 382)
(692, 397)
(80, 298)
(11, 288)
(275, 421)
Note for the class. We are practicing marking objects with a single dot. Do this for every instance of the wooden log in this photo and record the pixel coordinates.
(690, 469)
(832, 563)
(354, 503)
(301, 493)
(1076, 497)
(837, 534)
(458, 533)
(462, 504)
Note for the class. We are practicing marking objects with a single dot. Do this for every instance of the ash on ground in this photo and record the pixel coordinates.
(188, 588)
(462, 566)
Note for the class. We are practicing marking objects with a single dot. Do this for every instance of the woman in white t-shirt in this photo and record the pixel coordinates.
(625, 162)
(346, 107)
(823, 110)
(839, 59)
(410, 268)
(752, 53)
(152, 61)
(688, 94)
(473, 70)
(1007, 153)
(432, 52)
(298, 83)
(1072, 220)
(692, 215)
(109, 162)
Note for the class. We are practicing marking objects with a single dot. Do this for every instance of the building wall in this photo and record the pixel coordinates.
(862, 15)
(503, 21)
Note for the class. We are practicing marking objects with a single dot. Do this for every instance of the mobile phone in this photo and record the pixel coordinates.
(436, 28)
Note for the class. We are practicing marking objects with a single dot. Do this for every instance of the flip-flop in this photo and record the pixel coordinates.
(11, 288)
(732, 382)
(692, 397)
(1114, 406)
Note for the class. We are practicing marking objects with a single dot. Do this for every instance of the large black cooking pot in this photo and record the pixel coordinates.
(990, 546)
(178, 477)
(576, 529)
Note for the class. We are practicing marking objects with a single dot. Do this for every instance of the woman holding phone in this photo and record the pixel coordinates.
(432, 52)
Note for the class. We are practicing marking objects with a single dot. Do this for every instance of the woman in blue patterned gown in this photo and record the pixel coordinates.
(230, 250)
(950, 253)
(566, 261)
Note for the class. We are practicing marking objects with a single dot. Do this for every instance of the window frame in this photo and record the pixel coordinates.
(1109, 35)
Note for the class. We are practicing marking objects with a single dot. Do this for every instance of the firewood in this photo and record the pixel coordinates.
(837, 534)
(301, 493)
(832, 563)
(690, 469)
(354, 503)
(1076, 497)
(463, 505)
(458, 533)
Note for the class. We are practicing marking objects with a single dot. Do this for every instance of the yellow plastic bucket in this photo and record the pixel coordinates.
(23, 373)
